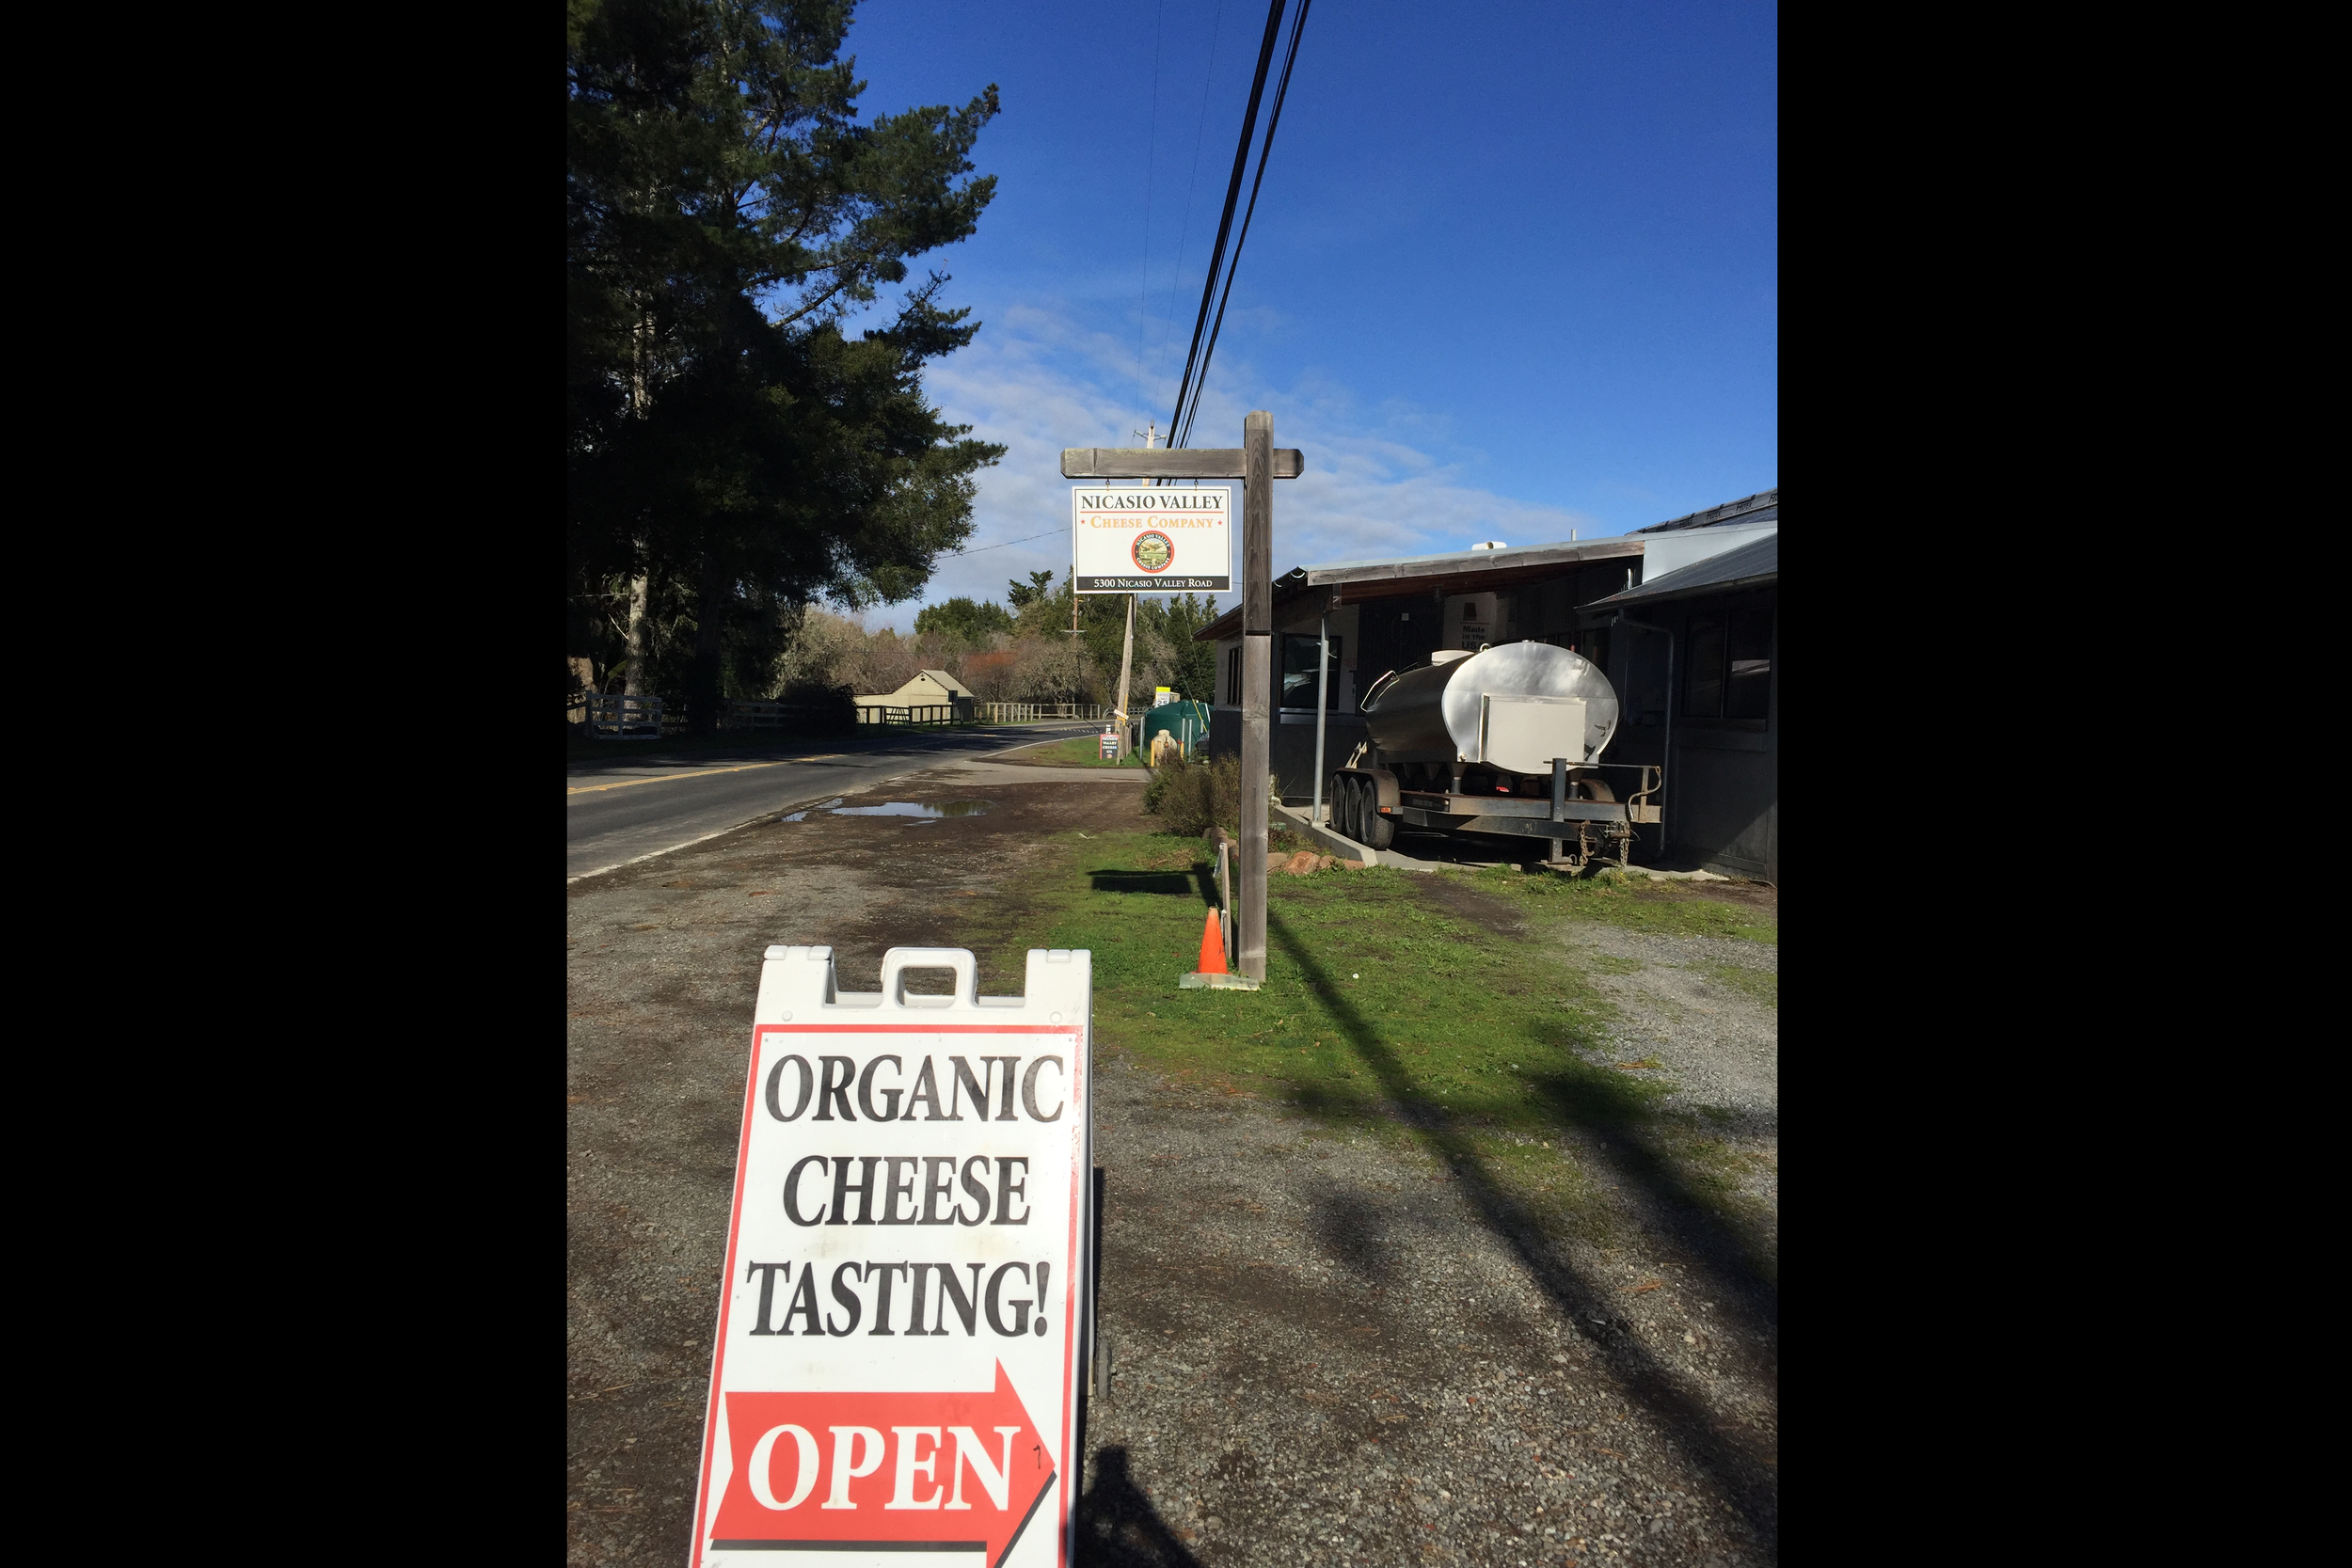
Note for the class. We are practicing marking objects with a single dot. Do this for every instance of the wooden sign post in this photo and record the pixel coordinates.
(1256, 463)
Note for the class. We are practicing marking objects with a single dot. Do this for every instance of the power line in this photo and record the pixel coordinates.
(1274, 121)
(1192, 172)
(1233, 199)
(1002, 543)
(1151, 163)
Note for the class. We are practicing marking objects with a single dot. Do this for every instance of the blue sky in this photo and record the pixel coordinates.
(1514, 270)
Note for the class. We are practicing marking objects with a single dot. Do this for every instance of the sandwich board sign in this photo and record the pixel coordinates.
(967, 1121)
(1129, 539)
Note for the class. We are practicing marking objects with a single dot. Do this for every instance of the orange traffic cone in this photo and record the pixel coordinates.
(1212, 948)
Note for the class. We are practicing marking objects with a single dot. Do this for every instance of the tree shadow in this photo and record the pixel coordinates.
(1173, 883)
(1357, 1232)
(1199, 881)
(1598, 1105)
(1623, 1127)
(1117, 1525)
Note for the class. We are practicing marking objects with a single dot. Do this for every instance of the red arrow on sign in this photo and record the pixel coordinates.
(938, 1472)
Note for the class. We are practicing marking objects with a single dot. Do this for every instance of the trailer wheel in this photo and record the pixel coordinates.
(1379, 831)
(1351, 823)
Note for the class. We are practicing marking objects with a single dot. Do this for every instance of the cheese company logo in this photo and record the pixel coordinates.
(1153, 551)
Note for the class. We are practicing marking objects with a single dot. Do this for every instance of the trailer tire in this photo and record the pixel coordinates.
(1379, 831)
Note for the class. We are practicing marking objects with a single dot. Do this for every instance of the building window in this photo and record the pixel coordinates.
(1594, 645)
(1703, 681)
(1298, 671)
(1749, 687)
(1729, 668)
(1233, 678)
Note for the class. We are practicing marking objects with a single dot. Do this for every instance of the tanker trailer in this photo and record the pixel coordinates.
(1506, 740)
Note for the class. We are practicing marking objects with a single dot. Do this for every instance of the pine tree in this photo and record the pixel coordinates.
(726, 441)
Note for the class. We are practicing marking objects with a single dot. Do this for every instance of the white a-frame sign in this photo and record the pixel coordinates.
(904, 1331)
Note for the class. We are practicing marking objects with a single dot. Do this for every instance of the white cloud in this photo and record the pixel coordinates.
(1375, 484)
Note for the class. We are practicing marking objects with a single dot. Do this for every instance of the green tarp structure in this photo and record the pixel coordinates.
(1173, 718)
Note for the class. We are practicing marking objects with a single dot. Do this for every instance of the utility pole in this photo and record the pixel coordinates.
(1257, 677)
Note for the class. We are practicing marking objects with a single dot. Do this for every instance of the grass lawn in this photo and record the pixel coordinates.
(1385, 1010)
(1638, 904)
(1079, 751)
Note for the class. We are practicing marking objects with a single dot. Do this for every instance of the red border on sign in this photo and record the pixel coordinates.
(734, 1219)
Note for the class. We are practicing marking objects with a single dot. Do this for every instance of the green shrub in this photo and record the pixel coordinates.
(1187, 797)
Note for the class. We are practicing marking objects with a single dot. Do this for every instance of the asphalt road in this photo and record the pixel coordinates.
(615, 812)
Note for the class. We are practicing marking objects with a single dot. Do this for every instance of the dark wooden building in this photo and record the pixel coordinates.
(1697, 667)
(1641, 606)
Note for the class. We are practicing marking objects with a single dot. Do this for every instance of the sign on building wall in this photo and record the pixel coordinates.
(902, 1339)
(1152, 540)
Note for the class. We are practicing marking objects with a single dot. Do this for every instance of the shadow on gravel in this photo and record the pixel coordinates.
(1752, 1281)
(1750, 1485)
(1358, 1232)
(1117, 1525)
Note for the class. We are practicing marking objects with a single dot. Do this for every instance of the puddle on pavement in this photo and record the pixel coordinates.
(826, 805)
(915, 809)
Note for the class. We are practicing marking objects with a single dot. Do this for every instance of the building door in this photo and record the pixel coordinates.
(1395, 634)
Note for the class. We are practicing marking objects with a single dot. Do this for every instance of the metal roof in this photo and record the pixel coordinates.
(1478, 571)
(1565, 553)
(1762, 507)
(1345, 582)
(1752, 564)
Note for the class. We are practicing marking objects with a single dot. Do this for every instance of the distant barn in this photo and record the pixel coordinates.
(929, 689)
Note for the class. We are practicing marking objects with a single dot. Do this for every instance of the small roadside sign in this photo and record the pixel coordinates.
(1109, 745)
(968, 1120)
(1129, 539)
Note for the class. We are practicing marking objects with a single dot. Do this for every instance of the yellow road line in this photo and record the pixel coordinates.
(704, 773)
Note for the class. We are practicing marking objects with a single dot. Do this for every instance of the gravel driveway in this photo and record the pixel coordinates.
(1327, 1346)
(1335, 1348)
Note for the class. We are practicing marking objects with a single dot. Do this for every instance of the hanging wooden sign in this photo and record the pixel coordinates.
(1136, 539)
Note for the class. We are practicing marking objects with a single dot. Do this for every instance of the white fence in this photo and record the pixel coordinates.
(622, 717)
(1023, 713)
(877, 713)
(613, 715)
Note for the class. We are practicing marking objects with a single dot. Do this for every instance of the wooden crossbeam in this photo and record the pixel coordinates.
(1162, 462)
